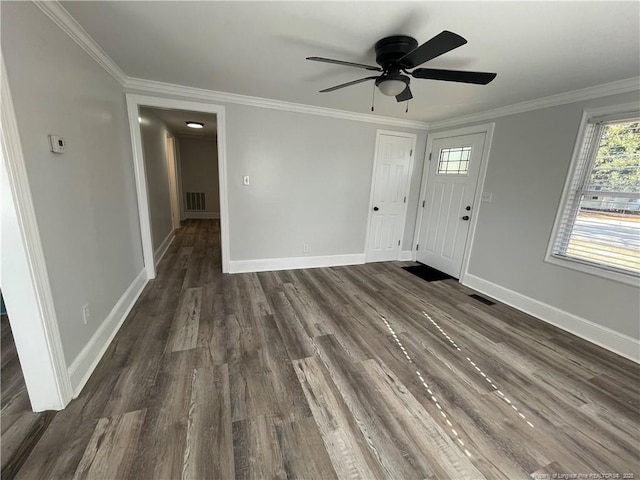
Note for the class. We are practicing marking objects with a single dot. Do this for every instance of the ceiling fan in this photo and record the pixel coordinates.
(397, 54)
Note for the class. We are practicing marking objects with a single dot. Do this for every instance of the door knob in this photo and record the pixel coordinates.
(375, 209)
(466, 217)
(467, 208)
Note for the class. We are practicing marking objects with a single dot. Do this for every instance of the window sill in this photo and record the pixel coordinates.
(601, 272)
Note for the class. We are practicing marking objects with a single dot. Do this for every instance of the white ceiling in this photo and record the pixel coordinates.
(175, 120)
(259, 48)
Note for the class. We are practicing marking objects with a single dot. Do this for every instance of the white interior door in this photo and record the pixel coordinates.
(453, 168)
(391, 176)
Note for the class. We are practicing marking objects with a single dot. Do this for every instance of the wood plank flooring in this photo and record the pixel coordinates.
(348, 372)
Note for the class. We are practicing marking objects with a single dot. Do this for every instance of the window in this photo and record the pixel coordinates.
(454, 161)
(598, 225)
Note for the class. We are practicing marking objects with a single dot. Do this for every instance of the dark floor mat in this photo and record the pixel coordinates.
(427, 273)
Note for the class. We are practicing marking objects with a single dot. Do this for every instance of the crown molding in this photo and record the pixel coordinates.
(59, 15)
(604, 90)
(215, 96)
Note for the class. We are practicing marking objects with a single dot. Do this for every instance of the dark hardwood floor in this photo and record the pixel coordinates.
(348, 372)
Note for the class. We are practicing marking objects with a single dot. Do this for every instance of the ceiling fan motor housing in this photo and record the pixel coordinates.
(390, 49)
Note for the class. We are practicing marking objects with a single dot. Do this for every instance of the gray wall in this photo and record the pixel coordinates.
(84, 200)
(310, 183)
(528, 165)
(199, 171)
(154, 147)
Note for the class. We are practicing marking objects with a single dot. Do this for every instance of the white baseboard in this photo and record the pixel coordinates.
(613, 341)
(164, 246)
(201, 215)
(406, 256)
(87, 360)
(294, 263)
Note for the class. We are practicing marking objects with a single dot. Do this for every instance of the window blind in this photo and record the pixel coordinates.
(600, 224)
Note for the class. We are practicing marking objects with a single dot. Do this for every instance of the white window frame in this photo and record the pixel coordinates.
(614, 112)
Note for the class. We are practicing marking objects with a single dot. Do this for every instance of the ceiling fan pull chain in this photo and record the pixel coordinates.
(373, 97)
(407, 110)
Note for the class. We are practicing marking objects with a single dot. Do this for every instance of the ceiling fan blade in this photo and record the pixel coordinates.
(442, 43)
(479, 78)
(405, 95)
(348, 64)
(348, 84)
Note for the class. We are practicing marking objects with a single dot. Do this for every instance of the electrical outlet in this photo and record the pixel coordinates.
(86, 313)
(305, 248)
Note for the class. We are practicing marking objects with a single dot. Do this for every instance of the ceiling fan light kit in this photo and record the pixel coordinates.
(397, 54)
(392, 85)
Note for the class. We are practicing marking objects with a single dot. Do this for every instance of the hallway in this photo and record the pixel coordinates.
(351, 372)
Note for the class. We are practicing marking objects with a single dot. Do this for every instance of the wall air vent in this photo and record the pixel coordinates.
(480, 298)
(196, 202)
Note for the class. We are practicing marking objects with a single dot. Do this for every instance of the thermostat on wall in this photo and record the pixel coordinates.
(57, 144)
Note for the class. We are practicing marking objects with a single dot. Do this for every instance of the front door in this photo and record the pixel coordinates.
(454, 166)
(392, 174)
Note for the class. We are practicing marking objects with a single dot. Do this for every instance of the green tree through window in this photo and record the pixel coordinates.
(617, 164)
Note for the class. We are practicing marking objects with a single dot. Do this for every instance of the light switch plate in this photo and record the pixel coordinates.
(245, 180)
(486, 197)
(57, 144)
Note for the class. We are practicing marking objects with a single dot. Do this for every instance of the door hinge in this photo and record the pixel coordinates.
(423, 203)
(429, 156)
(398, 242)
(411, 152)
(417, 247)
(405, 199)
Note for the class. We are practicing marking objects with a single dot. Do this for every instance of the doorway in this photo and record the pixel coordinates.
(181, 165)
(451, 194)
(392, 169)
(134, 102)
